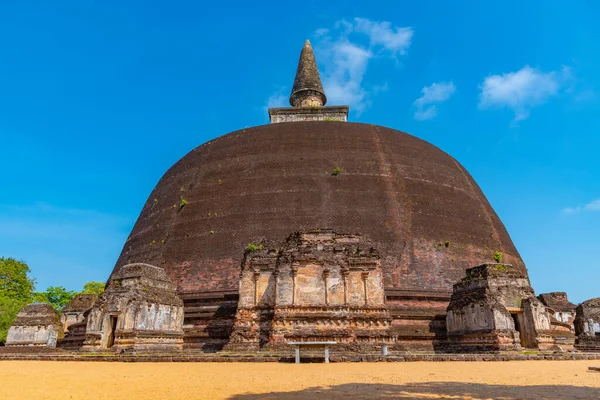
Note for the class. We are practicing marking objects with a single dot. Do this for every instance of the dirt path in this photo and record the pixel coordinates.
(243, 381)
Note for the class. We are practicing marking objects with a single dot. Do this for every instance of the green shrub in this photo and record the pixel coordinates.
(498, 256)
(251, 247)
(336, 171)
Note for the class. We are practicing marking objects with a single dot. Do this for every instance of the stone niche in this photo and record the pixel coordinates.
(587, 325)
(35, 325)
(139, 310)
(317, 286)
(494, 309)
(74, 320)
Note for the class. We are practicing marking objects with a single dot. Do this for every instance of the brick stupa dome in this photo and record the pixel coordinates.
(420, 207)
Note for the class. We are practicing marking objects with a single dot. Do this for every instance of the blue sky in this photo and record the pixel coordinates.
(98, 99)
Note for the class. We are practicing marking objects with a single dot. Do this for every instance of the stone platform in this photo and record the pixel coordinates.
(285, 357)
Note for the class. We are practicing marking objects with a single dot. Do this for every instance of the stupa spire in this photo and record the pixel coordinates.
(307, 90)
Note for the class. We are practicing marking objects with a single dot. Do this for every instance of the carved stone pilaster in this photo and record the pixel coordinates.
(255, 277)
(365, 275)
(326, 280)
(294, 275)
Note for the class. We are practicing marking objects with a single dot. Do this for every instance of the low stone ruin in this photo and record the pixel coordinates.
(35, 325)
(74, 320)
(587, 326)
(562, 316)
(494, 309)
(317, 286)
(559, 306)
(139, 310)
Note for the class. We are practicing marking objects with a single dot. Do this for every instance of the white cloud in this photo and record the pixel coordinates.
(521, 90)
(321, 32)
(278, 100)
(344, 55)
(393, 38)
(426, 113)
(425, 106)
(344, 73)
(591, 206)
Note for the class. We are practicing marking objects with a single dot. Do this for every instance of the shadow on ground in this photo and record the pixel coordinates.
(432, 390)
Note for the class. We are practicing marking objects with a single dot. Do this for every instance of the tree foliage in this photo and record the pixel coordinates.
(56, 296)
(93, 288)
(16, 291)
(14, 279)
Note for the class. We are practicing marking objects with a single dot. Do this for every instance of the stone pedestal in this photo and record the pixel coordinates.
(328, 113)
(138, 310)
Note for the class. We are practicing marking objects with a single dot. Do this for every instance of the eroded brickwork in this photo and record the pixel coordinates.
(317, 286)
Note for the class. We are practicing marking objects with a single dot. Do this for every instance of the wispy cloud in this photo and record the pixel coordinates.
(345, 52)
(382, 33)
(521, 90)
(278, 99)
(426, 105)
(591, 206)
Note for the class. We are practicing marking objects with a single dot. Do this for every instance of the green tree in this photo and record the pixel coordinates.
(93, 288)
(56, 296)
(16, 291)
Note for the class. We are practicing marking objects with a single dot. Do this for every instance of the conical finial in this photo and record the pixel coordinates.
(307, 90)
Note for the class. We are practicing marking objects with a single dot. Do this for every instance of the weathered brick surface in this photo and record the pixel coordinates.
(421, 209)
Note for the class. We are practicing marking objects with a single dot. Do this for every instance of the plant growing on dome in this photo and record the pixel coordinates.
(498, 256)
(251, 247)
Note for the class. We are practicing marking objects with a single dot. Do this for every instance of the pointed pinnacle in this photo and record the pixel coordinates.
(307, 89)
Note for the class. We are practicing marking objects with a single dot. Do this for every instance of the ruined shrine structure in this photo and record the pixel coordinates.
(587, 325)
(74, 320)
(36, 325)
(493, 308)
(559, 306)
(138, 310)
(562, 317)
(316, 286)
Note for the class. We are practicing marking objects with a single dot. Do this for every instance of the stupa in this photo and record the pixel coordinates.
(306, 172)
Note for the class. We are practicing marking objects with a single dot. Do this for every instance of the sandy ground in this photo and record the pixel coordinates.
(244, 381)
